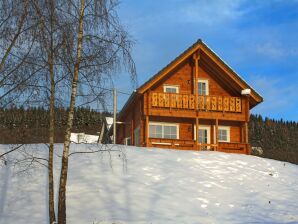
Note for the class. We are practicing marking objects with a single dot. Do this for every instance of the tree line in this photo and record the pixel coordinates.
(278, 139)
(31, 125)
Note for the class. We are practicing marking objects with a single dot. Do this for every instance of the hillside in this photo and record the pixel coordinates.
(139, 185)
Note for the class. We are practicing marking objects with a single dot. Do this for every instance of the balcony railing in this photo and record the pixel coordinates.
(193, 102)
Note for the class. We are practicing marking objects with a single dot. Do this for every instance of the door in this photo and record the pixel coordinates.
(203, 133)
(204, 136)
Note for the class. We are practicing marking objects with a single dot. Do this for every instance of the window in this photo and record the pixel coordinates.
(224, 134)
(163, 130)
(203, 88)
(127, 141)
(155, 131)
(137, 136)
(171, 89)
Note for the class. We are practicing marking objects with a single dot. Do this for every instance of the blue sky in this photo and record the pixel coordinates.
(258, 39)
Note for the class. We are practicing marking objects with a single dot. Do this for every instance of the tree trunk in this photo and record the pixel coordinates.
(64, 166)
(52, 217)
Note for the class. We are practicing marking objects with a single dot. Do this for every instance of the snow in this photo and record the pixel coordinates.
(146, 185)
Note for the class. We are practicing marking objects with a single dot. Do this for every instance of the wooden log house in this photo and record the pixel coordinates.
(197, 102)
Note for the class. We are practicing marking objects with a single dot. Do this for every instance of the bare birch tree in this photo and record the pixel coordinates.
(16, 43)
(50, 38)
(50, 45)
(97, 46)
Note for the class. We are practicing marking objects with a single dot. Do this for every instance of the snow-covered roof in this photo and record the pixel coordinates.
(109, 121)
(83, 138)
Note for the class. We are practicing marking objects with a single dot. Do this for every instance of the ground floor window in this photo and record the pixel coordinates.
(137, 136)
(224, 134)
(163, 130)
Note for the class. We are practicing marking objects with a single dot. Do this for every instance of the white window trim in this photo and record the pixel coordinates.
(165, 124)
(228, 129)
(206, 81)
(206, 127)
(171, 86)
(126, 140)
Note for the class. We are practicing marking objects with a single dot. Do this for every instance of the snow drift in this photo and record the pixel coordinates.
(145, 185)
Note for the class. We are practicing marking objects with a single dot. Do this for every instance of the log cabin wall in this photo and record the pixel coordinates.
(223, 105)
(131, 121)
(183, 76)
(187, 125)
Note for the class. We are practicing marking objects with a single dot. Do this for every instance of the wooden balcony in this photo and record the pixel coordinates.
(229, 147)
(193, 102)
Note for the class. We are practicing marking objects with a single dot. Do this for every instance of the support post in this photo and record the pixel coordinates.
(246, 132)
(196, 58)
(216, 134)
(197, 134)
(115, 115)
(146, 131)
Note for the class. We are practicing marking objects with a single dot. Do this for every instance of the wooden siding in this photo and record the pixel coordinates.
(223, 106)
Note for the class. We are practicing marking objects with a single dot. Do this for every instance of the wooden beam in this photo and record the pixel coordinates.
(132, 128)
(196, 57)
(246, 132)
(197, 134)
(216, 132)
(242, 137)
(165, 112)
(247, 111)
(146, 131)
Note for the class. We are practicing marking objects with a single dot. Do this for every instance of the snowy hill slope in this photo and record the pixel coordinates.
(157, 186)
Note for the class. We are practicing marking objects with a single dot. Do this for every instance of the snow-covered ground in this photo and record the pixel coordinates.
(156, 186)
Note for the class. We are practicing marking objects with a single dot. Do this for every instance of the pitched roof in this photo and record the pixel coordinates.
(198, 45)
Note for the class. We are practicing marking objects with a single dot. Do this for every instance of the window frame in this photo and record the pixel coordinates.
(206, 81)
(165, 86)
(165, 124)
(206, 127)
(226, 128)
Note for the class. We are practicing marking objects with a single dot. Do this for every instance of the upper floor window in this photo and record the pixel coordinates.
(224, 134)
(171, 89)
(203, 87)
(163, 130)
